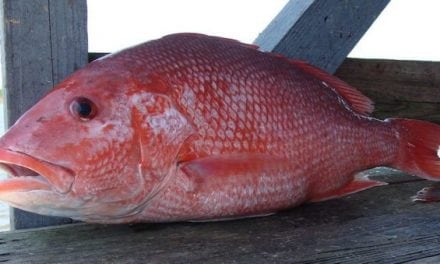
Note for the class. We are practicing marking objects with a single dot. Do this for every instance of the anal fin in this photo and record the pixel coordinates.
(359, 183)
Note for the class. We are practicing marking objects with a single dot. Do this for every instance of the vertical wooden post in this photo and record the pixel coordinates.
(43, 41)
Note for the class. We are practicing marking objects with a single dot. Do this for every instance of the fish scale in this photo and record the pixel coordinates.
(195, 127)
(292, 133)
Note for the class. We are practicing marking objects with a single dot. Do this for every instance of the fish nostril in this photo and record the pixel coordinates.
(41, 119)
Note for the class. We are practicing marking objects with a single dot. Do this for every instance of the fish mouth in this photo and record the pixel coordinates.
(30, 173)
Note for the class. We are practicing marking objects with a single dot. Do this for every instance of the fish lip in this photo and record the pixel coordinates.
(60, 178)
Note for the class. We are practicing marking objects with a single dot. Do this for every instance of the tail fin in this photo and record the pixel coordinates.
(419, 152)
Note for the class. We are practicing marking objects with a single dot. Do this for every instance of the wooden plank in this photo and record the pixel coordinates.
(377, 225)
(318, 31)
(408, 89)
(68, 29)
(44, 41)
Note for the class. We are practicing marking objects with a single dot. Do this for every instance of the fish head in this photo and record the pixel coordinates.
(88, 151)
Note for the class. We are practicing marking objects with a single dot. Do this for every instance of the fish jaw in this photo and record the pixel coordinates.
(35, 185)
(45, 188)
(60, 178)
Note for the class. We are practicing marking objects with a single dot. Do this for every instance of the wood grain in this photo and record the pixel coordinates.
(44, 41)
(408, 89)
(318, 31)
(377, 225)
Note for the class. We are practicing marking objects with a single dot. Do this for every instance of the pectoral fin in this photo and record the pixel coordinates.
(238, 185)
(237, 168)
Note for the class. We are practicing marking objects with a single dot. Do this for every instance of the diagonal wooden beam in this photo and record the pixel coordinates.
(322, 32)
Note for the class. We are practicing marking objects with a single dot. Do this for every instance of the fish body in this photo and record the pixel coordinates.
(194, 127)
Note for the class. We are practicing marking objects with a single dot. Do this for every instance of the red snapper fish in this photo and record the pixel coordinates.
(194, 127)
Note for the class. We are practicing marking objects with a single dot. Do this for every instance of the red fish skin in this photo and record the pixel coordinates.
(193, 127)
(240, 101)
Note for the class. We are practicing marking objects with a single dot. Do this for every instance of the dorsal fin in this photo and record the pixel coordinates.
(203, 36)
(358, 102)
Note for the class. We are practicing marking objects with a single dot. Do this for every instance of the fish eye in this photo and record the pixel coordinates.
(83, 108)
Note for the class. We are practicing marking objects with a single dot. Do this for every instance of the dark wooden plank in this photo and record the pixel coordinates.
(429, 260)
(44, 41)
(377, 225)
(318, 31)
(27, 58)
(96, 55)
(408, 89)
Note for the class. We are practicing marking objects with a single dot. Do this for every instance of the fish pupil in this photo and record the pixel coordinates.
(83, 108)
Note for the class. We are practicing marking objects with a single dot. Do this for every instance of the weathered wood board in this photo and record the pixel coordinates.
(320, 32)
(44, 41)
(378, 225)
(408, 89)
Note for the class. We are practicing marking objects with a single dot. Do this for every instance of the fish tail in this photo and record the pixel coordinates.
(419, 151)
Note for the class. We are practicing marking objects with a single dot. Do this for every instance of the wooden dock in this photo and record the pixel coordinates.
(378, 225)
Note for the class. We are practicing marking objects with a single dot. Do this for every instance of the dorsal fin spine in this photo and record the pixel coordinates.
(357, 101)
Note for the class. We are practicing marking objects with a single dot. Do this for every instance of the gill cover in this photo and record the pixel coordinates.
(161, 131)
